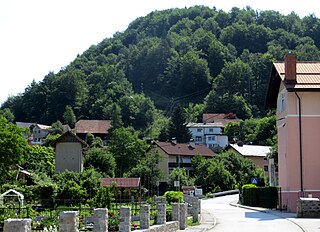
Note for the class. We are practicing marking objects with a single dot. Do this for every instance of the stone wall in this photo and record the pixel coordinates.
(308, 208)
(168, 227)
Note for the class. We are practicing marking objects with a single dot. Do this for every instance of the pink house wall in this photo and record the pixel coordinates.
(289, 147)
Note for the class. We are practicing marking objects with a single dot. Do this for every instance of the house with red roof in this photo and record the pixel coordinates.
(294, 91)
(98, 128)
(175, 155)
(124, 187)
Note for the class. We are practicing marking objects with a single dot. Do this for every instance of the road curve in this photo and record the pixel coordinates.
(234, 219)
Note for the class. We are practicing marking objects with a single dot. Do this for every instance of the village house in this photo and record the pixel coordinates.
(179, 155)
(98, 128)
(294, 90)
(69, 152)
(257, 154)
(211, 131)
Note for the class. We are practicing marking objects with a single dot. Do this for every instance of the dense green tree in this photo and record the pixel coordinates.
(177, 127)
(56, 128)
(227, 103)
(180, 174)
(148, 170)
(101, 160)
(41, 159)
(127, 149)
(7, 114)
(194, 112)
(69, 117)
(14, 148)
(254, 131)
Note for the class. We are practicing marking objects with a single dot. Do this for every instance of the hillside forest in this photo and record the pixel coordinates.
(169, 66)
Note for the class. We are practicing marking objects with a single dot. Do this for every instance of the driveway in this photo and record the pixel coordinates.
(234, 219)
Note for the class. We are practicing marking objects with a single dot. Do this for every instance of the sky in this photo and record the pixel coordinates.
(39, 36)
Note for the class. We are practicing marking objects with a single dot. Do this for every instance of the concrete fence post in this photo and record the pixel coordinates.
(69, 221)
(183, 216)
(125, 219)
(161, 208)
(17, 225)
(100, 220)
(144, 216)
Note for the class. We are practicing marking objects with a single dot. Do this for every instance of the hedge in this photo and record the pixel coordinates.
(266, 197)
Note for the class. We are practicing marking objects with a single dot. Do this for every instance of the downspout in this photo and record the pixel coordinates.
(300, 144)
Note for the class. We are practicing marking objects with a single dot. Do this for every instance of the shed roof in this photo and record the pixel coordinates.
(252, 150)
(184, 149)
(121, 182)
(92, 126)
(68, 137)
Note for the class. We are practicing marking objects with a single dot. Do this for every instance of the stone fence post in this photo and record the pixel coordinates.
(183, 216)
(125, 219)
(17, 225)
(176, 212)
(100, 220)
(69, 221)
(144, 216)
(161, 208)
(195, 209)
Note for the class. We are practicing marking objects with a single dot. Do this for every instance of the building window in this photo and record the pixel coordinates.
(266, 168)
(282, 102)
(198, 139)
(199, 130)
(210, 129)
(211, 138)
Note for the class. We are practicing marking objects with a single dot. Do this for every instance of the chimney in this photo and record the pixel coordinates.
(192, 144)
(290, 66)
(174, 141)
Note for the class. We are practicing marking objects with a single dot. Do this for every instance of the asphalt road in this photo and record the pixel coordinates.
(234, 219)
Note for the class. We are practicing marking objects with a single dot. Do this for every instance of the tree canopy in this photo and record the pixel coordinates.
(177, 56)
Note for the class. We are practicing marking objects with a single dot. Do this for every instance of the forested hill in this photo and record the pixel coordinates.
(170, 57)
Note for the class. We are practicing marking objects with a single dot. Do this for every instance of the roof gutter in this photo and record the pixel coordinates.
(300, 143)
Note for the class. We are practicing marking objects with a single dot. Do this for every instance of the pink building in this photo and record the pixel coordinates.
(294, 90)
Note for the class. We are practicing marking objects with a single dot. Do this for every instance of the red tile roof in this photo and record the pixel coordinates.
(92, 126)
(220, 118)
(184, 149)
(121, 182)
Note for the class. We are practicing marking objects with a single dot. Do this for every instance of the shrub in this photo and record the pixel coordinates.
(249, 195)
(173, 197)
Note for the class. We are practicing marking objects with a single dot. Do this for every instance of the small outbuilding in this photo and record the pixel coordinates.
(69, 152)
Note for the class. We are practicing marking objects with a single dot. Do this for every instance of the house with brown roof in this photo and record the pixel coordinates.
(98, 128)
(175, 155)
(294, 91)
(223, 119)
(69, 152)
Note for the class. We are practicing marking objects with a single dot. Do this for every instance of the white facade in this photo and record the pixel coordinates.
(209, 134)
